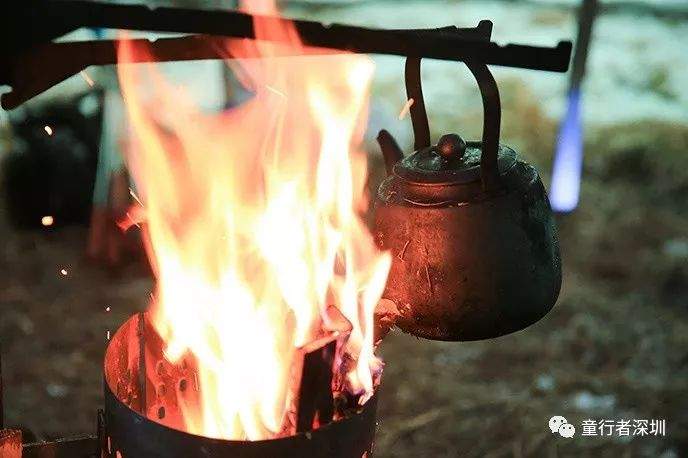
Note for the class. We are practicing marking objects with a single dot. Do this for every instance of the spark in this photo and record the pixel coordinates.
(136, 198)
(272, 89)
(47, 220)
(406, 108)
(63, 272)
(48, 130)
(107, 309)
(107, 335)
(87, 78)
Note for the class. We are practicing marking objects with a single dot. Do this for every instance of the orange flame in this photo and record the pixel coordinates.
(253, 226)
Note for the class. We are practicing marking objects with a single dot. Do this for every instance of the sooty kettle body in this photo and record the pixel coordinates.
(474, 246)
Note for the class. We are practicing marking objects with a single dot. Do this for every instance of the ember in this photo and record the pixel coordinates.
(252, 226)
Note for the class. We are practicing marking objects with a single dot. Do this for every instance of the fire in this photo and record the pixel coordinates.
(253, 225)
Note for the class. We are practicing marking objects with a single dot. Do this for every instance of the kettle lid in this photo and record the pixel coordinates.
(451, 161)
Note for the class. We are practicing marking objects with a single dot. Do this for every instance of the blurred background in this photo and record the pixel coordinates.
(614, 347)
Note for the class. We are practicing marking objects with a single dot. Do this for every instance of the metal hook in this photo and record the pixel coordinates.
(491, 110)
(492, 115)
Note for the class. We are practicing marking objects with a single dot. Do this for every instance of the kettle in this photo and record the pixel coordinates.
(474, 247)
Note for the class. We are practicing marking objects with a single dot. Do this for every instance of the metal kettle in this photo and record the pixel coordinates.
(470, 228)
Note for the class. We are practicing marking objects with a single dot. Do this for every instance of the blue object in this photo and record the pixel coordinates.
(98, 32)
(568, 159)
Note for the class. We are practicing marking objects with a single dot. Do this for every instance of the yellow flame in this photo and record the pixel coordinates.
(253, 224)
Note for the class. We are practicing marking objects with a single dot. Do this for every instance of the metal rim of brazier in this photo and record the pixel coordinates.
(132, 434)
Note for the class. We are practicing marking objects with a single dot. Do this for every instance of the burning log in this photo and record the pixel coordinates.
(315, 404)
(315, 399)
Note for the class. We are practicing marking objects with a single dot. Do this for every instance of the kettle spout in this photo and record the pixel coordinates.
(390, 150)
(386, 314)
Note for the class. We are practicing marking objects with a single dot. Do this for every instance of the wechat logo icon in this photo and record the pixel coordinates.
(558, 424)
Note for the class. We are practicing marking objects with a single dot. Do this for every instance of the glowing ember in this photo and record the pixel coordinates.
(48, 130)
(253, 228)
(47, 221)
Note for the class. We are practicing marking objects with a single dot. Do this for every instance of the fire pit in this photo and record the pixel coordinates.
(134, 434)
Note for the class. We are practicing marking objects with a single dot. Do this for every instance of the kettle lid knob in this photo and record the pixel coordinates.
(451, 146)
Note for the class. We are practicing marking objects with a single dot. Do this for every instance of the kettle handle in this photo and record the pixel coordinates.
(489, 173)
